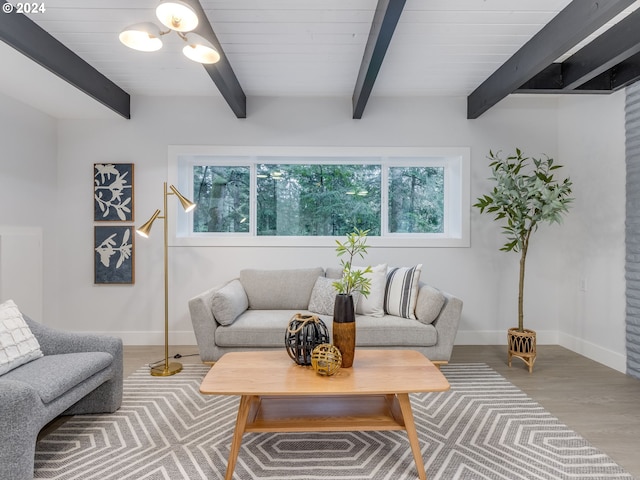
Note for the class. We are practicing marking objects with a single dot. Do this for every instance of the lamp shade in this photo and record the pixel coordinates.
(145, 229)
(177, 15)
(200, 50)
(143, 36)
(187, 204)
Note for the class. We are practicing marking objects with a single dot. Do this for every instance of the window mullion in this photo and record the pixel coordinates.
(384, 200)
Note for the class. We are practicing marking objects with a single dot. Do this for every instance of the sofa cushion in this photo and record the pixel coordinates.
(429, 304)
(257, 328)
(373, 304)
(279, 289)
(266, 329)
(392, 331)
(53, 375)
(401, 292)
(18, 345)
(323, 296)
(229, 302)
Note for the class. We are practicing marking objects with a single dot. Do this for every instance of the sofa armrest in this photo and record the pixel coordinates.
(446, 324)
(204, 322)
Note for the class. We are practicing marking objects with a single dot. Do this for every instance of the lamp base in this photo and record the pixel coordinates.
(166, 370)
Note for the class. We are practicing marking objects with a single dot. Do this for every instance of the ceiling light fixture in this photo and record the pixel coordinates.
(179, 17)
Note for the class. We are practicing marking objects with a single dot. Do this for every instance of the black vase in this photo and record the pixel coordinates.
(344, 328)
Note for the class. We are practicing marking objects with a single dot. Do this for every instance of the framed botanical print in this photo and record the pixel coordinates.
(113, 192)
(114, 254)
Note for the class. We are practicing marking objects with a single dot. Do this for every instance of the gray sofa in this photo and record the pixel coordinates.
(252, 313)
(78, 374)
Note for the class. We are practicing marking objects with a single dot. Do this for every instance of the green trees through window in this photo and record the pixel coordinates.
(416, 200)
(222, 198)
(319, 199)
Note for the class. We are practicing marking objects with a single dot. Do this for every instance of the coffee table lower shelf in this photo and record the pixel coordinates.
(331, 413)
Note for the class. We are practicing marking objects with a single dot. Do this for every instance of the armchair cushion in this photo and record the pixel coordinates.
(18, 345)
(54, 375)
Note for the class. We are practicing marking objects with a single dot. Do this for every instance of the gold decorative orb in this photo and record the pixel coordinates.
(326, 359)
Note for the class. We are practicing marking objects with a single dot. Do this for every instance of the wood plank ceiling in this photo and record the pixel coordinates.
(480, 49)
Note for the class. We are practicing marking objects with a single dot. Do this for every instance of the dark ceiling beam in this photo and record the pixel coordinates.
(606, 51)
(384, 24)
(573, 24)
(626, 73)
(550, 81)
(592, 67)
(20, 32)
(221, 72)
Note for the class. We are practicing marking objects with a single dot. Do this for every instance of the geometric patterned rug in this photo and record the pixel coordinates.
(483, 428)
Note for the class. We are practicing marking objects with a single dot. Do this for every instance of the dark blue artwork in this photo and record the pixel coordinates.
(113, 192)
(113, 254)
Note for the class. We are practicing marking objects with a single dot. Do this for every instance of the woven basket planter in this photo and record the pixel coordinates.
(522, 345)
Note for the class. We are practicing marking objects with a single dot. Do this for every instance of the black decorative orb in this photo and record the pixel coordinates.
(303, 334)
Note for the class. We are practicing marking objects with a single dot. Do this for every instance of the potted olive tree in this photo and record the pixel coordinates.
(353, 280)
(525, 194)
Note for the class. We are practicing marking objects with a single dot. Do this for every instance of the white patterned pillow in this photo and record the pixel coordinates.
(401, 293)
(17, 344)
(323, 296)
(373, 305)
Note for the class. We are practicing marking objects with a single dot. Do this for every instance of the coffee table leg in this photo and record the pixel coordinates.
(412, 433)
(241, 423)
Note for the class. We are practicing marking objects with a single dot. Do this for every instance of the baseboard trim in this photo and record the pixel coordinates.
(499, 337)
(594, 352)
(464, 337)
(153, 338)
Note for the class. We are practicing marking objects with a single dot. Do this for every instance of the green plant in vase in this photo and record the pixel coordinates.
(353, 280)
(525, 195)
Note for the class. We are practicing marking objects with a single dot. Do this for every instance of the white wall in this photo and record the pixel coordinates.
(481, 275)
(484, 277)
(592, 146)
(28, 206)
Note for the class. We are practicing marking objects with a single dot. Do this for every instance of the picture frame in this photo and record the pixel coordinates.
(113, 192)
(114, 252)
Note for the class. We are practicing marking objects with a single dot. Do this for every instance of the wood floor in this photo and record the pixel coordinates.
(599, 403)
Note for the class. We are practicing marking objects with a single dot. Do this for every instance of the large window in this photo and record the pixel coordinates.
(282, 197)
(222, 198)
(317, 199)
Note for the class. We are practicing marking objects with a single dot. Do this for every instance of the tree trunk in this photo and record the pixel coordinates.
(523, 259)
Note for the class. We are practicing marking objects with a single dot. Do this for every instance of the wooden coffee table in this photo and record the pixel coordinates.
(372, 395)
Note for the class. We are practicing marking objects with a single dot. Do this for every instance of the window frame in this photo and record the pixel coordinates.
(456, 202)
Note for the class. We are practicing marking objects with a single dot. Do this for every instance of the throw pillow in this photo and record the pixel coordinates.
(323, 296)
(229, 302)
(17, 343)
(373, 305)
(401, 292)
(429, 304)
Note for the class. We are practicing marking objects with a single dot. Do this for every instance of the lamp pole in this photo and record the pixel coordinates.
(167, 368)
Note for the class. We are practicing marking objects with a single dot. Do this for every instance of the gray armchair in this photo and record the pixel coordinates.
(78, 374)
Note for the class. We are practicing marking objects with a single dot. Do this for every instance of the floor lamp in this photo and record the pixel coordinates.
(168, 368)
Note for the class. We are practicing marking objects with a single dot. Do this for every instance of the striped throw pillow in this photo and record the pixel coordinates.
(401, 293)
